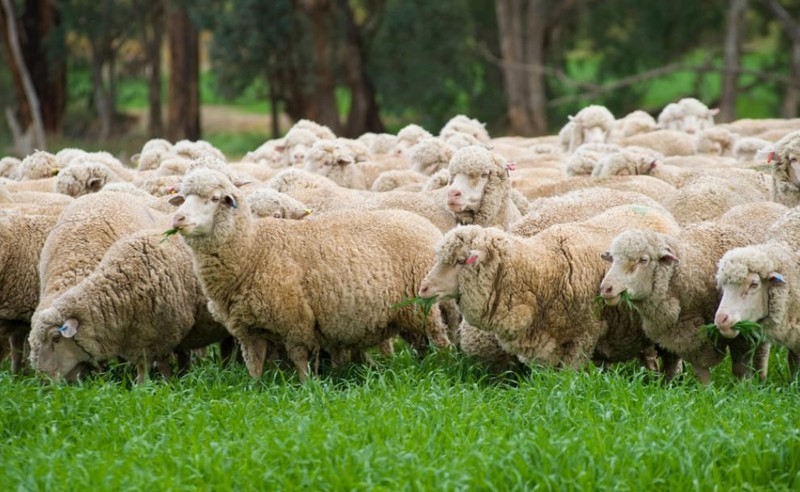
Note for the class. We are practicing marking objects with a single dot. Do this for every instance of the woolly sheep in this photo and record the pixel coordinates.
(296, 144)
(695, 116)
(647, 185)
(407, 137)
(358, 150)
(485, 348)
(565, 136)
(670, 117)
(576, 206)
(759, 283)
(267, 154)
(313, 306)
(667, 142)
(535, 294)
(786, 170)
(81, 177)
(322, 132)
(460, 140)
(332, 159)
(708, 197)
(670, 279)
(592, 124)
(21, 241)
(716, 141)
(383, 143)
(480, 188)
(267, 202)
(786, 228)
(153, 152)
(637, 122)
(378, 165)
(38, 165)
(196, 149)
(745, 149)
(467, 126)
(8, 167)
(430, 155)
(141, 303)
(587, 157)
(755, 219)
(391, 180)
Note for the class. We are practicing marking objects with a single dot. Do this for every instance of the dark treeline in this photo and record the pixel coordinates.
(365, 65)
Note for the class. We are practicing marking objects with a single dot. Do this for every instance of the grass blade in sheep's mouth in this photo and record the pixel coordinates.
(625, 300)
(168, 233)
(749, 330)
(426, 303)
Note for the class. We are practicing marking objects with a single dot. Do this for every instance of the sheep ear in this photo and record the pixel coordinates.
(231, 201)
(135, 158)
(176, 200)
(776, 278)
(607, 257)
(713, 111)
(474, 257)
(667, 258)
(280, 148)
(241, 182)
(95, 184)
(277, 215)
(69, 328)
(649, 166)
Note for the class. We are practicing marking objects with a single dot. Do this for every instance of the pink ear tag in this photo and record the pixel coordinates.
(472, 259)
(511, 166)
(770, 156)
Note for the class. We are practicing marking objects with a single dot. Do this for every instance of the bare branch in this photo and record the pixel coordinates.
(789, 25)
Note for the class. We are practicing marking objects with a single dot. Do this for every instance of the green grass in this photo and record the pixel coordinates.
(441, 424)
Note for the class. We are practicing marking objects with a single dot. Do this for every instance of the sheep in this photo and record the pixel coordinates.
(153, 152)
(267, 154)
(667, 142)
(637, 122)
(752, 127)
(754, 218)
(196, 149)
(759, 283)
(407, 137)
(437, 180)
(467, 126)
(485, 348)
(745, 149)
(480, 188)
(647, 185)
(586, 158)
(565, 136)
(334, 160)
(312, 305)
(81, 177)
(630, 161)
(8, 167)
(670, 279)
(430, 156)
(322, 132)
(786, 170)
(716, 141)
(296, 145)
(38, 165)
(267, 202)
(592, 124)
(708, 197)
(460, 140)
(576, 206)
(392, 180)
(141, 303)
(786, 228)
(383, 143)
(695, 116)
(33, 198)
(670, 117)
(21, 240)
(536, 294)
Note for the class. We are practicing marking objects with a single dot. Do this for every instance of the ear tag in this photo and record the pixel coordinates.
(770, 156)
(67, 330)
(777, 277)
(472, 259)
(233, 203)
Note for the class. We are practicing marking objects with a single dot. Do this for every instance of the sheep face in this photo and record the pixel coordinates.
(441, 281)
(297, 154)
(401, 149)
(466, 191)
(60, 354)
(595, 134)
(197, 215)
(793, 167)
(635, 257)
(745, 300)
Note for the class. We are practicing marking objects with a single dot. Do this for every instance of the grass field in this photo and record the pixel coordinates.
(441, 424)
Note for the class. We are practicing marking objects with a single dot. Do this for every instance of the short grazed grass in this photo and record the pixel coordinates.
(438, 424)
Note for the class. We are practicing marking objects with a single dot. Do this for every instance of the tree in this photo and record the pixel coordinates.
(151, 33)
(183, 110)
(732, 52)
(322, 106)
(791, 27)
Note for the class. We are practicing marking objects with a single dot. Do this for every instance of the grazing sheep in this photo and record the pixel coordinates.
(266, 202)
(670, 279)
(486, 349)
(332, 159)
(575, 206)
(745, 149)
(308, 284)
(8, 167)
(480, 188)
(759, 283)
(592, 124)
(430, 156)
(786, 170)
(467, 126)
(141, 303)
(755, 219)
(21, 240)
(716, 141)
(38, 165)
(536, 294)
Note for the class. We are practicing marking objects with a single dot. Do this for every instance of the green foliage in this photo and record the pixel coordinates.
(425, 303)
(438, 424)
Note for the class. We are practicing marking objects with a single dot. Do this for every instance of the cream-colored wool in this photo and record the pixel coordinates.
(38, 165)
(786, 170)
(746, 148)
(430, 155)
(391, 180)
(587, 118)
(320, 131)
(267, 202)
(82, 176)
(467, 126)
(334, 160)
(667, 142)
(708, 198)
(647, 185)
(716, 141)
(8, 167)
(755, 219)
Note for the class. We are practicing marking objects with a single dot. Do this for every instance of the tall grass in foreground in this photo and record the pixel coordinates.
(438, 424)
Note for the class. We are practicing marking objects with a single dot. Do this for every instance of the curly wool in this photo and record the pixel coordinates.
(716, 141)
(266, 202)
(708, 197)
(430, 155)
(667, 142)
(81, 177)
(496, 208)
(334, 160)
(745, 149)
(391, 180)
(755, 219)
(461, 124)
(8, 167)
(322, 132)
(637, 122)
(783, 189)
(590, 117)
(38, 165)
(631, 161)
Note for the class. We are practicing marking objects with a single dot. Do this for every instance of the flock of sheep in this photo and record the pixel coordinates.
(618, 239)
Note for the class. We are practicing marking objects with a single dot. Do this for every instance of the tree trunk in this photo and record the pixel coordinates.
(323, 101)
(791, 97)
(48, 73)
(100, 96)
(509, 20)
(30, 92)
(534, 57)
(153, 40)
(364, 116)
(183, 113)
(733, 42)
(273, 109)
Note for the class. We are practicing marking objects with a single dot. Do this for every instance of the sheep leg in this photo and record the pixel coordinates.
(703, 374)
(299, 357)
(386, 347)
(671, 366)
(226, 350)
(761, 360)
(141, 370)
(794, 363)
(164, 367)
(649, 358)
(17, 342)
(184, 361)
(254, 351)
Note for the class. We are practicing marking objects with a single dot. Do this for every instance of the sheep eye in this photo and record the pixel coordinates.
(754, 284)
(485, 175)
(461, 261)
(214, 199)
(644, 260)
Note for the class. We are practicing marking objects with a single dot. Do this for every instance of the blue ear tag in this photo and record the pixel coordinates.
(233, 203)
(777, 277)
(63, 329)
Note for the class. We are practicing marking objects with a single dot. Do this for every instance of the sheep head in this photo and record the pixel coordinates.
(474, 173)
(55, 349)
(208, 203)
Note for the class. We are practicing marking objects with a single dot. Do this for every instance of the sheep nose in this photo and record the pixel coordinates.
(178, 221)
(423, 290)
(722, 319)
(453, 194)
(607, 289)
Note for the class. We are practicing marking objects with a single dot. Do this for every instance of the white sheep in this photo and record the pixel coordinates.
(407, 137)
(785, 157)
(592, 124)
(284, 280)
(467, 126)
(334, 160)
(266, 202)
(37, 166)
(296, 144)
(8, 167)
(430, 155)
(745, 149)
